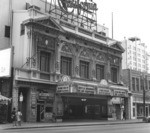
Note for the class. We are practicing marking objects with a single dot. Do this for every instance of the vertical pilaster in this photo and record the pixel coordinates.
(15, 97)
(57, 56)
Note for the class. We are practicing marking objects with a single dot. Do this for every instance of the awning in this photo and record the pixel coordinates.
(3, 98)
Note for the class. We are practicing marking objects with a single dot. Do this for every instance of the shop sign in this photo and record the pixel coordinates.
(116, 100)
(89, 90)
(46, 95)
(103, 91)
(120, 93)
(63, 89)
(33, 100)
(5, 65)
(73, 6)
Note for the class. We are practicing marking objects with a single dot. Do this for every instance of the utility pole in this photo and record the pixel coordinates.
(112, 26)
(143, 99)
(144, 91)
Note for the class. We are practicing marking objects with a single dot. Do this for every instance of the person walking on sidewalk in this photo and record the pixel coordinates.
(13, 117)
(124, 115)
(19, 115)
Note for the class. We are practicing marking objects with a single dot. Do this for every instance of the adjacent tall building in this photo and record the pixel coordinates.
(135, 65)
(135, 56)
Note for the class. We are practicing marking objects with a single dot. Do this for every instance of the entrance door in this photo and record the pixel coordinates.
(147, 111)
(40, 112)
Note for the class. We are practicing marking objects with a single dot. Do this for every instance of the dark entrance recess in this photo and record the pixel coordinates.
(84, 108)
(40, 111)
(23, 105)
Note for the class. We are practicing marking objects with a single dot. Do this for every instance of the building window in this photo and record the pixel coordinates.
(66, 65)
(7, 31)
(45, 62)
(114, 74)
(137, 84)
(141, 82)
(22, 29)
(133, 83)
(84, 69)
(99, 72)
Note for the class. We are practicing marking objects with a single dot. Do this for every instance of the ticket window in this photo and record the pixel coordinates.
(40, 112)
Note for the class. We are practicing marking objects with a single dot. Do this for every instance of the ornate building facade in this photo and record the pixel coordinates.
(65, 68)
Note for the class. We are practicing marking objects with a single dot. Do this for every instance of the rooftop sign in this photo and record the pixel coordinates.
(76, 6)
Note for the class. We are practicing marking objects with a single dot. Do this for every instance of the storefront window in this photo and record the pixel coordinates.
(133, 83)
(133, 112)
(97, 109)
(137, 84)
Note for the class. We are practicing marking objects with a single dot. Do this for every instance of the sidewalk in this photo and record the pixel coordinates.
(65, 124)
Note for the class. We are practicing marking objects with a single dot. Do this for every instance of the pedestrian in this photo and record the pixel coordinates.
(19, 115)
(124, 115)
(13, 117)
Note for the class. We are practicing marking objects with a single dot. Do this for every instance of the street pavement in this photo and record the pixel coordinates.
(9, 126)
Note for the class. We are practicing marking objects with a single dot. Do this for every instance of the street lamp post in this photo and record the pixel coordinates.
(21, 100)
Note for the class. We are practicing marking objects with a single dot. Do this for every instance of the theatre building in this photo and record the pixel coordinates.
(66, 65)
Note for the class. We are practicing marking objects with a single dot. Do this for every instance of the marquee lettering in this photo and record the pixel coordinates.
(68, 6)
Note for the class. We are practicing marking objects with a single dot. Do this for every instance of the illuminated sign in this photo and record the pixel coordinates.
(5, 62)
(104, 91)
(63, 89)
(89, 90)
(69, 6)
(46, 95)
(120, 93)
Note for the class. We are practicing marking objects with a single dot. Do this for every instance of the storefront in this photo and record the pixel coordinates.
(37, 102)
(4, 101)
(44, 107)
(137, 106)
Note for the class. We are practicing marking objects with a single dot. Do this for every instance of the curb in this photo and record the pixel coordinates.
(71, 125)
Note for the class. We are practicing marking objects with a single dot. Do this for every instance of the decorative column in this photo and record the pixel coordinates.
(120, 70)
(15, 97)
(57, 56)
(77, 48)
(32, 105)
(108, 70)
(94, 53)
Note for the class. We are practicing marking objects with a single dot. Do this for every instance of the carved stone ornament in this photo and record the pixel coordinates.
(57, 65)
(33, 61)
(85, 53)
(66, 48)
(77, 47)
(77, 69)
(94, 52)
(29, 34)
(100, 57)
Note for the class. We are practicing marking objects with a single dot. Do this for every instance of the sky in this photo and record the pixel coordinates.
(130, 18)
